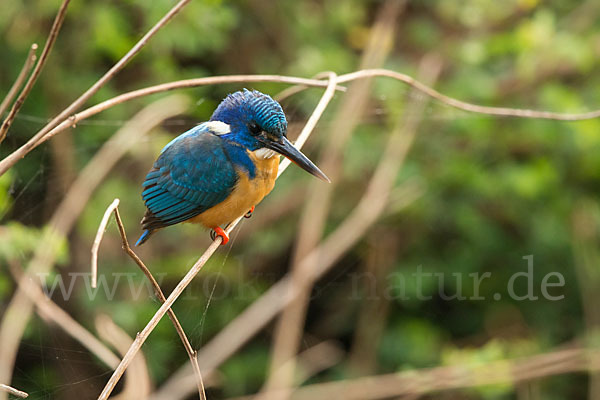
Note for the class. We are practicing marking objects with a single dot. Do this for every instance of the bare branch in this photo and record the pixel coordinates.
(58, 21)
(143, 335)
(22, 151)
(462, 105)
(160, 295)
(292, 90)
(56, 125)
(29, 61)
(188, 83)
(114, 207)
(13, 391)
(426, 381)
(98, 239)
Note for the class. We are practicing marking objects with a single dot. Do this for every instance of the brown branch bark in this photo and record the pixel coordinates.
(58, 21)
(114, 208)
(14, 89)
(63, 123)
(13, 391)
(22, 151)
(420, 382)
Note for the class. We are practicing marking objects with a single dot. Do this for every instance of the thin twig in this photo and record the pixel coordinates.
(23, 150)
(292, 90)
(29, 61)
(421, 382)
(114, 208)
(58, 21)
(98, 239)
(157, 290)
(143, 335)
(13, 391)
(462, 105)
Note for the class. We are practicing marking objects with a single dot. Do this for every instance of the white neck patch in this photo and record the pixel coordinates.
(265, 153)
(218, 127)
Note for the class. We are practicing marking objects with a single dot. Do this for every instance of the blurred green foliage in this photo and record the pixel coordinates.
(497, 189)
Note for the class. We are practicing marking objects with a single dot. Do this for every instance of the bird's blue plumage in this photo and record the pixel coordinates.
(198, 169)
(192, 174)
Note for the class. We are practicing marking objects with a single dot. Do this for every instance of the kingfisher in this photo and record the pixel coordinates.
(220, 169)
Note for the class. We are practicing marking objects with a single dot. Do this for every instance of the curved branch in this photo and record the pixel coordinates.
(59, 124)
(462, 105)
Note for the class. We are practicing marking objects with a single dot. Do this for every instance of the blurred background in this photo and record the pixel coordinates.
(431, 281)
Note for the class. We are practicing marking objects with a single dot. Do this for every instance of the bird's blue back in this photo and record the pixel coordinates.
(193, 173)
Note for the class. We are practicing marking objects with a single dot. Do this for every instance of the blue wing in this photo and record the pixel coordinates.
(192, 174)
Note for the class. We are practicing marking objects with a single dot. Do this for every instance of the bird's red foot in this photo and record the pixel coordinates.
(249, 213)
(218, 231)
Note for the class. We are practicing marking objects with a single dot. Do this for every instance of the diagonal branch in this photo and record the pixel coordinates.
(13, 391)
(29, 61)
(23, 150)
(58, 21)
(114, 208)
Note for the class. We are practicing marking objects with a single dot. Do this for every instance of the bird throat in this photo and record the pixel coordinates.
(264, 153)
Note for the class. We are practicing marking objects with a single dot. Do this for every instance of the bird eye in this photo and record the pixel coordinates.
(254, 128)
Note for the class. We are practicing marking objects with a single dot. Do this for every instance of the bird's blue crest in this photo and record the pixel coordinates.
(242, 109)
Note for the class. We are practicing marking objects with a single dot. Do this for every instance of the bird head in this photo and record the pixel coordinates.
(256, 121)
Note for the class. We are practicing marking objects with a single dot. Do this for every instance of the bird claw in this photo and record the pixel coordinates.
(218, 231)
(249, 213)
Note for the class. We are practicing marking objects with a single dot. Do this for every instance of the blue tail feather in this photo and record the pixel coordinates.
(144, 237)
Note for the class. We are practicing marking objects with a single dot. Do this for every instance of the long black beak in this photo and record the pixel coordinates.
(287, 149)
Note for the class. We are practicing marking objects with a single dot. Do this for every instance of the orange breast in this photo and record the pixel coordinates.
(247, 193)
